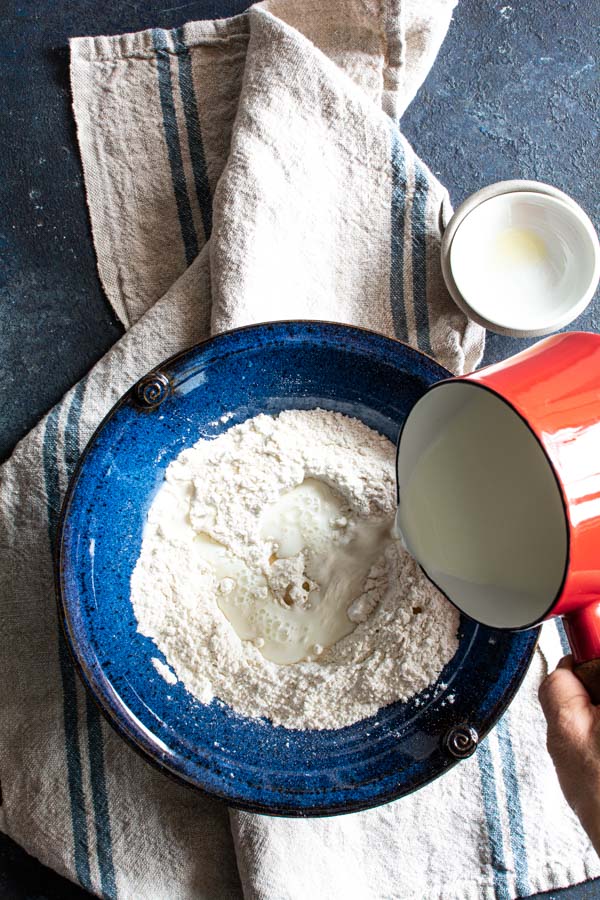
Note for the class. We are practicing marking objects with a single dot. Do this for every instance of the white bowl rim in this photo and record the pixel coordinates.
(526, 187)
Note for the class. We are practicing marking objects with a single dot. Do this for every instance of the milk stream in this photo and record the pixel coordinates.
(320, 562)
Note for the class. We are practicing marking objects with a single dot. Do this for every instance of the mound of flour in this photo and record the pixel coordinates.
(213, 497)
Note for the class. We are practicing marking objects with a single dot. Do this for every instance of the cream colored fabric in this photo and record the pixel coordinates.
(238, 171)
(496, 826)
(305, 188)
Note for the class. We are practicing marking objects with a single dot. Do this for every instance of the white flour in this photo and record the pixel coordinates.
(208, 547)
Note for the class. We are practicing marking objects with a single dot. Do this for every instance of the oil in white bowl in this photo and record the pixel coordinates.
(524, 261)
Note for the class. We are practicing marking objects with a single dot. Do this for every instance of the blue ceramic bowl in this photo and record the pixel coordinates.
(250, 763)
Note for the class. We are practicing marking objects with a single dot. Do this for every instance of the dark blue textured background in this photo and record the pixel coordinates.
(514, 93)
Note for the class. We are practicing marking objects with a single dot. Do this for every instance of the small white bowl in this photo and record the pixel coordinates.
(521, 262)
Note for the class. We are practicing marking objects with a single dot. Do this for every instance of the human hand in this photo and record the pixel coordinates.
(573, 742)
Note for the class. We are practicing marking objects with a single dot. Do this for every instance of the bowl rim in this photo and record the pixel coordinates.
(554, 196)
(131, 736)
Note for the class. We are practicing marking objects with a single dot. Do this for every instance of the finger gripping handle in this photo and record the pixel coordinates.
(589, 674)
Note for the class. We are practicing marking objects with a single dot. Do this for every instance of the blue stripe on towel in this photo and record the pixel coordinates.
(165, 88)
(71, 433)
(419, 256)
(72, 450)
(515, 811)
(69, 688)
(494, 826)
(398, 211)
(194, 131)
(100, 795)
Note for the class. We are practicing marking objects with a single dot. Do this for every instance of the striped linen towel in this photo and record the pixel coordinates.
(239, 171)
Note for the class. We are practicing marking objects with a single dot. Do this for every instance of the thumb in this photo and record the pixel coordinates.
(565, 702)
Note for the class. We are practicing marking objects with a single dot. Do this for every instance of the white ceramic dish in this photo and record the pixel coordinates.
(523, 262)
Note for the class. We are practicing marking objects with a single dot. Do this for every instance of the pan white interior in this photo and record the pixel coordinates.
(480, 508)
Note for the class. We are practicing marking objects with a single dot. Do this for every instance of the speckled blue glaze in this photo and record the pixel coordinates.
(250, 763)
